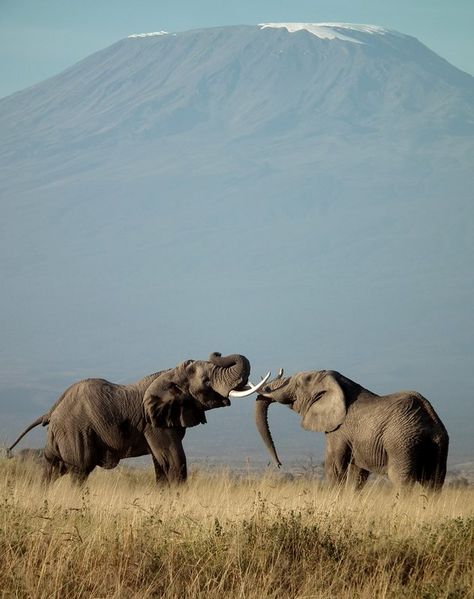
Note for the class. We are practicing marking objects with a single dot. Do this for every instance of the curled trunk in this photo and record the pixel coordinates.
(261, 420)
(237, 368)
(240, 363)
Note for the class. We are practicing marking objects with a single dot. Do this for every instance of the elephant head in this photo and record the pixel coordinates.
(179, 397)
(318, 396)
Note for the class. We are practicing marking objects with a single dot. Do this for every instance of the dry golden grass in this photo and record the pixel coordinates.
(224, 537)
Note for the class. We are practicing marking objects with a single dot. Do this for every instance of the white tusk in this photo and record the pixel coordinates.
(249, 389)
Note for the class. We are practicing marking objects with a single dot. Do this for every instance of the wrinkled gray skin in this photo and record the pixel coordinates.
(400, 435)
(97, 423)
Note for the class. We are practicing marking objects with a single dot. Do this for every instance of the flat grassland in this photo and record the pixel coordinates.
(223, 536)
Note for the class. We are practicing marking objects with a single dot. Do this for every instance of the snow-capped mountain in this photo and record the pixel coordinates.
(240, 81)
(300, 193)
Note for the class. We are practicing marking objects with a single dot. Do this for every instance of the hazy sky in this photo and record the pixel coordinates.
(329, 248)
(40, 38)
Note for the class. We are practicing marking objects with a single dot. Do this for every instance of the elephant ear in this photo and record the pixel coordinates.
(167, 405)
(327, 407)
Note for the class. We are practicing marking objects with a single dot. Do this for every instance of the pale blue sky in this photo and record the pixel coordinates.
(39, 38)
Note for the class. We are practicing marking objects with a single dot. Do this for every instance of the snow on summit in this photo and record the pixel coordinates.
(329, 31)
(325, 31)
(151, 34)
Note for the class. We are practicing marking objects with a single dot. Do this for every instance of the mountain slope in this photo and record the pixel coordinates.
(304, 197)
(239, 81)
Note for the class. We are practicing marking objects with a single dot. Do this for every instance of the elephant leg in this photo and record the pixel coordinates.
(167, 449)
(356, 477)
(53, 464)
(401, 471)
(432, 465)
(336, 464)
(417, 463)
(432, 478)
(160, 474)
(436, 482)
(79, 477)
(71, 451)
(53, 468)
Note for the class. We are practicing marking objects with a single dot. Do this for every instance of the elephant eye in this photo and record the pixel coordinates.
(205, 380)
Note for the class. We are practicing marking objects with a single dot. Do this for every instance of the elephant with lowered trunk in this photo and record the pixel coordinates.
(400, 435)
(97, 423)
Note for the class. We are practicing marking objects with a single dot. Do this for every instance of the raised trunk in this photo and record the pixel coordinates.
(237, 368)
(261, 420)
(240, 363)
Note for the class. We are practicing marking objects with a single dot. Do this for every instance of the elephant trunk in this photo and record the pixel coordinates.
(261, 420)
(235, 362)
(231, 378)
(237, 368)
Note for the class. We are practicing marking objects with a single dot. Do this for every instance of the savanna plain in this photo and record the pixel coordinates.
(227, 535)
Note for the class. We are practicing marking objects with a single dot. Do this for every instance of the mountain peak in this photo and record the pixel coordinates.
(331, 31)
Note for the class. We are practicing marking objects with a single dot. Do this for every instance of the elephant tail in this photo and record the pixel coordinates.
(41, 420)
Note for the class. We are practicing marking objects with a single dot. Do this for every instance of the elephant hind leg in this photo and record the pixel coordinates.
(53, 468)
(440, 472)
(79, 477)
(434, 483)
(433, 468)
(401, 470)
(400, 478)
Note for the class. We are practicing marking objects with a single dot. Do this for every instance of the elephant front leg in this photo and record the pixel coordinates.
(356, 477)
(336, 464)
(160, 474)
(168, 454)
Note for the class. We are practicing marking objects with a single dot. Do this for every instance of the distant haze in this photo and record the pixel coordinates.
(304, 199)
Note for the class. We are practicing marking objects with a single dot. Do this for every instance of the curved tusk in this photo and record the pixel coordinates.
(278, 376)
(250, 388)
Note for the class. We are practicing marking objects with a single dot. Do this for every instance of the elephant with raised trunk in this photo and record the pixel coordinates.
(400, 435)
(97, 423)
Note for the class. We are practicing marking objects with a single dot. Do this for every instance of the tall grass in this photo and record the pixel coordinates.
(220, 536)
